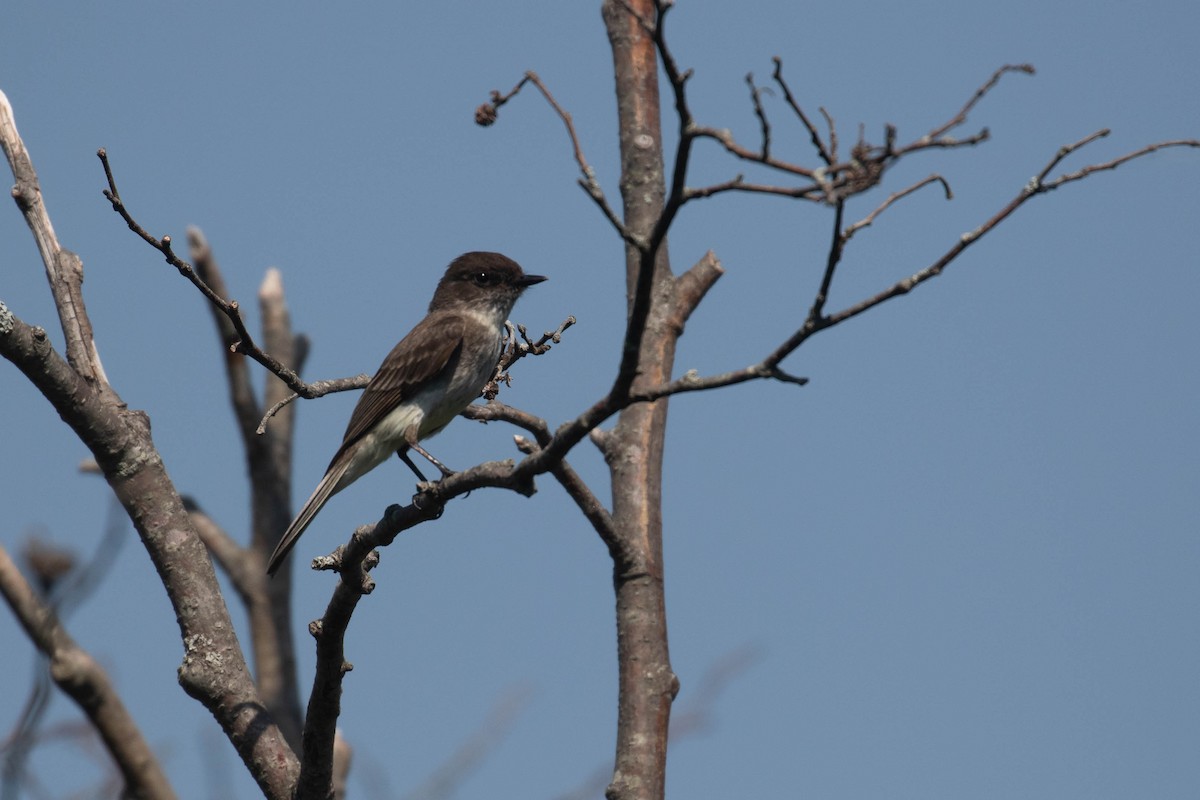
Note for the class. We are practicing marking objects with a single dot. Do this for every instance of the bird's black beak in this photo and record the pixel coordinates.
(530, 280)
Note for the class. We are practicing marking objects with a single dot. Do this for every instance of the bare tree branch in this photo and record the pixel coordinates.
(691, 381)
(487, 114)
(764, 126)
(725, 138)
(237, 373)
(677, 189)
(1046, 186)
(838, 179)
(832, 260)
(269, 458)
(24, 736)
(65, 582)
(64, 269)
(315, 389)
(892, 198)
(324, 704)
(738, 183)
(691, 287)
(961, 117)
(245, 342)
(517, 346)
(85, 682)
(591, 507)
(229, 555)
(1034, 188)
(647, 682)
(769, 368)
(825, 153)
(213, 670)
(287, 347)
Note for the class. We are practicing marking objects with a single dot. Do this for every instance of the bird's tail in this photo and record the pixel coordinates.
(325, 489)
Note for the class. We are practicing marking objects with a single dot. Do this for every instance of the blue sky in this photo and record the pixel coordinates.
(961, 562)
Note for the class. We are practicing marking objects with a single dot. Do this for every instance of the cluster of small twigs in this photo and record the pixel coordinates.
(832, 182)
(835, 178)
(517, 345)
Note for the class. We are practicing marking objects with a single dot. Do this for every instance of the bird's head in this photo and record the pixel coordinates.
(479, 280)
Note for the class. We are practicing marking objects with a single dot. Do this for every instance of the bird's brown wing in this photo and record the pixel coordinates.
(406, 368)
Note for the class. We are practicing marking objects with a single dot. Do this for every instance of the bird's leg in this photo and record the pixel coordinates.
(403, 454)
(446, 471)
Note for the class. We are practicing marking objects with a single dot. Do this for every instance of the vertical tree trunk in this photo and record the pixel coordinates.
(634, 449)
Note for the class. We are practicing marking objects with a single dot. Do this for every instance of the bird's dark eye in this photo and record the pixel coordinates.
(482, 278)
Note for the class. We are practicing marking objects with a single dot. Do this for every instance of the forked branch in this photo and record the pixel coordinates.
(1038, 185)
(833, 179)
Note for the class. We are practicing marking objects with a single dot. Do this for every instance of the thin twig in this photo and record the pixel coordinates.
(578, 490)
(245, 344)
(725, 138)
(237, 374)
(677, 188)
(892, 198)
(1065, 151)
(825, 154)
(1035, 187)
(1107, 165)
(487, 114)
(738, 183)
(692, 381)
(832, 260)
(763, 124)
(980, 93)
(833, 137)
(64, 269)
(315, 389)
(517, 347)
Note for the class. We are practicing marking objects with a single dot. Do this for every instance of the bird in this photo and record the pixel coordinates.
(427, 379)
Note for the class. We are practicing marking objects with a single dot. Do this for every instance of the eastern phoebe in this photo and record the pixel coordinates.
(435, 372)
